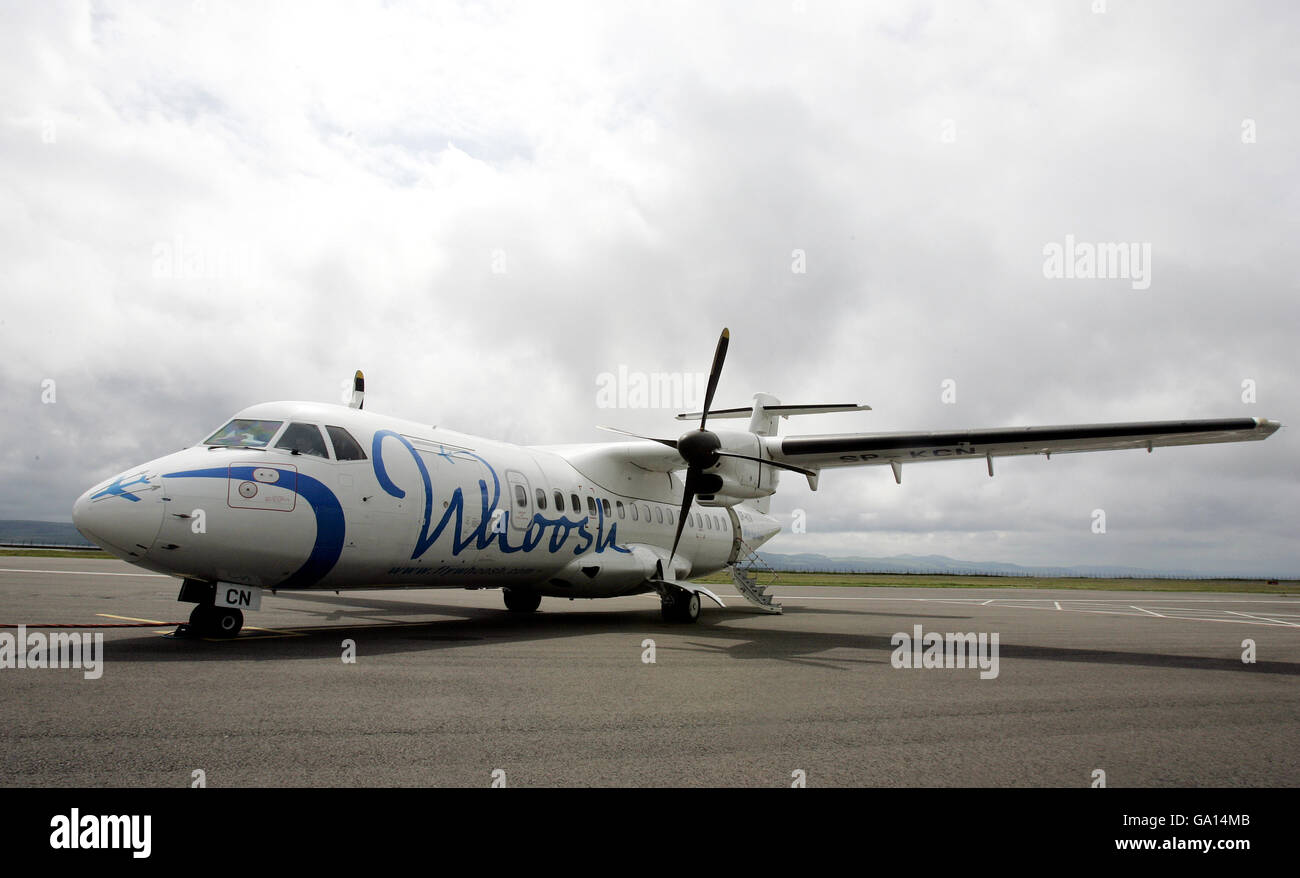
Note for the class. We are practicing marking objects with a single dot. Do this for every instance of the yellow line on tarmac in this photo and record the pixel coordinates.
(323, 629)
(274, 632)
(132, 619)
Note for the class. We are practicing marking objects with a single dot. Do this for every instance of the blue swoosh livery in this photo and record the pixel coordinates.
(481, 536)
(330, 526)
(118, 488)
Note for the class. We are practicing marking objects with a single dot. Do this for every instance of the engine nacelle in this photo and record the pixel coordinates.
(735, 480)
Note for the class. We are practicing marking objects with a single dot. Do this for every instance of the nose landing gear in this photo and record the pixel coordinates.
(209, 621)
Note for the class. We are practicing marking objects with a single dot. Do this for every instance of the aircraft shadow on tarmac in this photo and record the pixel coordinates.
(376, 633)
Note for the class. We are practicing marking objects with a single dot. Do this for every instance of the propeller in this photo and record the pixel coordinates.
(672, 443)
(701, 449)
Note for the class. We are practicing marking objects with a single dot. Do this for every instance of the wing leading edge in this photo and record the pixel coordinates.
(866, 449)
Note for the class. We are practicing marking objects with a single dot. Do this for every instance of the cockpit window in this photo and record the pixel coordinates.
(345, 447)
(245, 432)
(304, 439)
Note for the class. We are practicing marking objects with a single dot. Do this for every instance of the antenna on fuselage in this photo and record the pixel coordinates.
(358, 391)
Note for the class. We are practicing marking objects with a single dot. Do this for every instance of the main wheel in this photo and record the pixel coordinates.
(521, 601)
(209, 621)
(684, 607)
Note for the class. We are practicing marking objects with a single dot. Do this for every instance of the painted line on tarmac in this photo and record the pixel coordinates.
(83, 572)
(1095, 606)
(795, 596)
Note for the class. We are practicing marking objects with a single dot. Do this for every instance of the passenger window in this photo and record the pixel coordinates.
(635, 517)
(303, 439)
(591, 505)
(659, 515)
(645, 510)
(559, 502)
(708, 522)
(577, 507)
(345, 447)
(622, 510)
(541, 499)
(521, 496)
(604, 504)
(670, 517)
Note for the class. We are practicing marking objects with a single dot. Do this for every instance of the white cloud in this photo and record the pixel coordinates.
(645, 171)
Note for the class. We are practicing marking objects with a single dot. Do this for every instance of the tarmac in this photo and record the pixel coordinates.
(449, 689)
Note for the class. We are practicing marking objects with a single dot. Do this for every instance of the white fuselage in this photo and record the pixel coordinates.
(419, 507)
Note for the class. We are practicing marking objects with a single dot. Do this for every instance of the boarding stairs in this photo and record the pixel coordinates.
(753, 577)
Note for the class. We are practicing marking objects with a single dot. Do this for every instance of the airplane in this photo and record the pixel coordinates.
(301, 495)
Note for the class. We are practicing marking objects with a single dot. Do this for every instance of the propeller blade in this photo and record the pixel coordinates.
(671, 443)
(719, 357)
(776, 463)
(688, 497)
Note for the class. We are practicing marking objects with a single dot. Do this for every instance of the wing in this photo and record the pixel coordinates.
(896, 449)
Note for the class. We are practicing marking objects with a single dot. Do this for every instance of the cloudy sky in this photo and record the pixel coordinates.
(486, 206)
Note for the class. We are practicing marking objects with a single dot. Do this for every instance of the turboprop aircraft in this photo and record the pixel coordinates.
(301, 495)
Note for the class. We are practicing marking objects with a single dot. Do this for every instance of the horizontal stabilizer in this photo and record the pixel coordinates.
(784, 411)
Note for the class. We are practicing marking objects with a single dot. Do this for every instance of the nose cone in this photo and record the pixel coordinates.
(122, 516)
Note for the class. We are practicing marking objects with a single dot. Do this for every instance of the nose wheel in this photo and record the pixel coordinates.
(209, 621)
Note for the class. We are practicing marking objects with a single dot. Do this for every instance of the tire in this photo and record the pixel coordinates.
(209, 621)
(228, 622)
(200, 618)
(684, 607)
(690, 608)
(521, 601)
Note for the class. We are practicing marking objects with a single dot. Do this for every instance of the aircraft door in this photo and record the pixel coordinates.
(519, 499)
(734, 521)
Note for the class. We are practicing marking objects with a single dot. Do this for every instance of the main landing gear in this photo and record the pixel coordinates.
(518, 601)
(680, 605)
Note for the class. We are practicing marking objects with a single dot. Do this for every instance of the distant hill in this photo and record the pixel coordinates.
(942, 565)
(43, 533)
